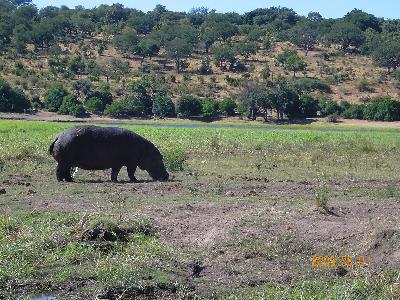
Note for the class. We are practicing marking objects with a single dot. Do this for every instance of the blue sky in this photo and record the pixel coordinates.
(328, 9)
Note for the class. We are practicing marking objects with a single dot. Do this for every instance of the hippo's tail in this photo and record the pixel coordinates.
(51, 148)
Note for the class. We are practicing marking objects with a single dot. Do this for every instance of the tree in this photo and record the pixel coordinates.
(304, 35)
(209, 108)
(127, 42)
(147, 47)
(42, 34)
(188, 106)
(227, 107)
(20, 38)
(71, 106)
(94, 105)
(346, 34)
(178, 49)
(308, 106)
(76, 65)
(12, 100)
(115, 68)
(250, 96)
(363, 20)
(246, 48)
(265, 72)
(53, 97)
(163, 107)
(83, 86)
(223, 54)
(295, 64)
(314, 16)
(387, 54)
(291, 61)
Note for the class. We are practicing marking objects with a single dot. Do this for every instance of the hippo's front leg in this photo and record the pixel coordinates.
(114, 174)
(63, 172)
(131, 173)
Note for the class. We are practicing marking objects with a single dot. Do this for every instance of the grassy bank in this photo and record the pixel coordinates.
(245, 212)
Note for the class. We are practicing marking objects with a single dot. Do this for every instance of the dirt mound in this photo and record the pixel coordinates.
(105, 233)
(385, 248)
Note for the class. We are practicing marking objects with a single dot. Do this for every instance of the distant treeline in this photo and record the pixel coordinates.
(134, 32)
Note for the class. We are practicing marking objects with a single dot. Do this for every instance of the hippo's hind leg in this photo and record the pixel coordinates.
(131, 173)
(114, 174)
(63, 172)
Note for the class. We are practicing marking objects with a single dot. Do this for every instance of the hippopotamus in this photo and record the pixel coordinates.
(100, 148)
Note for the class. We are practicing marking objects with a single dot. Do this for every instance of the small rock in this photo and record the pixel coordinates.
(341, 271)
(196, 267)
(2, 191)
(230, 194)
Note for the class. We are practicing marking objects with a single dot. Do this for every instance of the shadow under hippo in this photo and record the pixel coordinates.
(100, 148)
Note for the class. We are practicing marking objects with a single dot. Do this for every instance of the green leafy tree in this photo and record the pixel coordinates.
(308, 106)
(250, 96)
(346, 34)
(94, 105)
(188, 106)
(71, 106)
(291, 61)
(246, 48)
(76, 65)
(128, 107)
(20, 38)
(83, 87)
(12, 100)
(53, 97)
(178, 49)
(227, 107)
(147, 47)
(42, 34)
(127, 42)
(209, 108)
(163, 107)
(223, 55)
(304, 35)
(387, 54)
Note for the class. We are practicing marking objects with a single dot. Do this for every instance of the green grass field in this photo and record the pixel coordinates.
(244, 214)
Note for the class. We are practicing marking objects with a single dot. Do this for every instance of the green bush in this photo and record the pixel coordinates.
(332, 118)
(94, 105)
(71, 106)
(128, 107)
(163, 107)
(329, 107)
(354, 111)
(188, 106)
(209, 108)
(175, 159)
(265, 72)
(382, 109)
(227, 107)
(12, 100)
(364, 86)
(308, 106)
(306, 84)
(53, 97)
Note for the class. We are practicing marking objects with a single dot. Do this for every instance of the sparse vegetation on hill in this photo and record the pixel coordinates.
(201, 53)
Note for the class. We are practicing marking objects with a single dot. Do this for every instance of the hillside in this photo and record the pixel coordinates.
(199, 53)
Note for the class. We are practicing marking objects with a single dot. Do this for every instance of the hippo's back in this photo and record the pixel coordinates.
(96, 148)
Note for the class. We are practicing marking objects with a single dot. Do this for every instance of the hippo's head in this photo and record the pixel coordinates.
(154, 165)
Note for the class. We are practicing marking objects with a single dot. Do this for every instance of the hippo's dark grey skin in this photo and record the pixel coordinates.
(100, 148)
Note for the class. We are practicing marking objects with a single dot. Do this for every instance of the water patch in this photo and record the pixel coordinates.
(44, 297)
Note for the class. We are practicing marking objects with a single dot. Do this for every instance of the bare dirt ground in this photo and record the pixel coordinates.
(249, 233)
